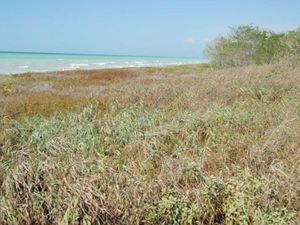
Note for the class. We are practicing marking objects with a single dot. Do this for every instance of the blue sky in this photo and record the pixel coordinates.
(134, 27)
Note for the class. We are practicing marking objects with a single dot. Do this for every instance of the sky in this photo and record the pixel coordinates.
(134, 27)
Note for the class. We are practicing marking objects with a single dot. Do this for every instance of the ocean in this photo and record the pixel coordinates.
(19, 62)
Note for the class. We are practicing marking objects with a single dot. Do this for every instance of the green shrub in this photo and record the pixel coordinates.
(246, 45)
(7, 88)
(171, 209)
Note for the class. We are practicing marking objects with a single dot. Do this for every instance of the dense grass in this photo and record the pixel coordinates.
(185, 145)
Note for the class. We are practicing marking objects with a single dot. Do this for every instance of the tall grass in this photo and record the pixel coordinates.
(198, 147)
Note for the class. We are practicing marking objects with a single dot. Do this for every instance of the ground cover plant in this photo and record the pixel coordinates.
(176, 145)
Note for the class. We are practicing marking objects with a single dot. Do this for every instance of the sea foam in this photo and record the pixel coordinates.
(100, 64)
(78, 65)
(24, 67)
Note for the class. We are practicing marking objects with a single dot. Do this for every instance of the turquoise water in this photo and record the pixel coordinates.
(14, 62)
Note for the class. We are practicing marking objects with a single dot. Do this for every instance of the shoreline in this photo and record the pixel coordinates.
(18, 63)
(104, 69)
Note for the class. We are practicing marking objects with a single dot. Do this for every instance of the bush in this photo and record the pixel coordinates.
(292, 41)
(246, 45)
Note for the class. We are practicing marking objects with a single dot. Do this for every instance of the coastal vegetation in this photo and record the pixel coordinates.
(193, 144)
(247, 45)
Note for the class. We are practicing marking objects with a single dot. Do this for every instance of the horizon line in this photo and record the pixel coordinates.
(95, 54)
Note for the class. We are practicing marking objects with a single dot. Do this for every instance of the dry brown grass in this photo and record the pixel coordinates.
(183, 145)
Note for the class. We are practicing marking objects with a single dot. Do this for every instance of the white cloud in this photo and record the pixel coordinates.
(207, 40)
(190, 40)
(200, 42)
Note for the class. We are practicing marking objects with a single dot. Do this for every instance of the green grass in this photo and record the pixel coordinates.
(196, 146)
